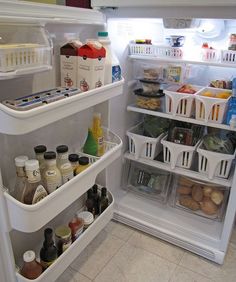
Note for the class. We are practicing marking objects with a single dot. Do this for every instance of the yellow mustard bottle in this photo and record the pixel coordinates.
(98, 133)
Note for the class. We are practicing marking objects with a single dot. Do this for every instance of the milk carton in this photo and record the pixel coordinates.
(91, 65)
(69, 63)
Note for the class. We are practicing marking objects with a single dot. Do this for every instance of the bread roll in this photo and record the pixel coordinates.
(208, 207)
(207, 191)
(197, 193)
(217, 197)
(184, 190)
(188, 202)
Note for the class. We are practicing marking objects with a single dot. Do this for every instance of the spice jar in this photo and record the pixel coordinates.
(63, 238)
(76, 225)
(83, 164)
(87, 217)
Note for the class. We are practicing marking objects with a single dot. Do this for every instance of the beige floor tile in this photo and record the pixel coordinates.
(97, 254)
(218, 273)
(182, 274)
(72, 276)
(133, 264)
(119, 230)
(156, 246)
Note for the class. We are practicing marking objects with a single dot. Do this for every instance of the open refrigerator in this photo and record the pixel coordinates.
(67, 121)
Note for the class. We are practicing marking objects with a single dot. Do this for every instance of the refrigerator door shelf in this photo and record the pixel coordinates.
(30, 218)
(21, 122)
(59, 266)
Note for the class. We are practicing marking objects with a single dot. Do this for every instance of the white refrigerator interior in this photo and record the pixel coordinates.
(22, 226)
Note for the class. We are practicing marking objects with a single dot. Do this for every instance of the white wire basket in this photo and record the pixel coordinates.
(24, 56)
(142, 146)
(228, 56)
(210, 109)
(214, 164)
(142, 49)
(178, 155)
(180, 104)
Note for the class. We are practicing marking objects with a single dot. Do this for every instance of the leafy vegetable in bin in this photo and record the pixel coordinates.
(155, 126)
(217, 143)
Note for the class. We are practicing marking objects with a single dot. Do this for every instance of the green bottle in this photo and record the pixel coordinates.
(90, 146)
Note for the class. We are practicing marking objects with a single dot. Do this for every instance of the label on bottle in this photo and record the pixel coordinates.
(100, 146)
(116, 73)
(66, 172)
(33, 176)
(39, 194)
(53, 180)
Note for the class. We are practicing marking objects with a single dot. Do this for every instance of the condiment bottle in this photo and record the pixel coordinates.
(90, 204)
(74, 160)
(31, 268)
(20, 185)
(97, 199)
(87, 217)
(83, 164)
(48, 253)
(63, 238)
(63, 163)
(104, 199)
(98, 133)
(34, 191)
(52, 174)
(90, 145)
(76, 225)
(39, 154)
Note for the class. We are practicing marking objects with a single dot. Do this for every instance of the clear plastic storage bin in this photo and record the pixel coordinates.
(199, 198)
(147, 181)
(143, 146)
(209, 107)
(177, 154)
(214, 164)
(178, 103)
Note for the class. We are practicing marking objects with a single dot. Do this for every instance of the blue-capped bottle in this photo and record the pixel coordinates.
(232, 103)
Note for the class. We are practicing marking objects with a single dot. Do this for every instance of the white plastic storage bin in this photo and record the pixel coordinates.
(214, 164)
(228, 56)
(169, 52)
(177, 154)
(178, 103)
(22, 56)
(210, 55)
(142, 49)
(142, 146)
(211, 109)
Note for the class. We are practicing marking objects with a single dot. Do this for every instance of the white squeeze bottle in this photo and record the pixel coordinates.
(112, 66)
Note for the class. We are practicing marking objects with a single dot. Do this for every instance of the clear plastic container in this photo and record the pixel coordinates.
(149, 101)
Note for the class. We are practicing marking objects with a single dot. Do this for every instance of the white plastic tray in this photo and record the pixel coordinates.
(30, 218)
(60, 265)
(19, 122)
(214, 164)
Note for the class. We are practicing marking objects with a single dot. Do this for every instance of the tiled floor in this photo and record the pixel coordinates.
(122, 254)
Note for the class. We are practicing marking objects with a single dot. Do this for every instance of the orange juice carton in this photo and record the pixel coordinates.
(91, 65)
(69, 63)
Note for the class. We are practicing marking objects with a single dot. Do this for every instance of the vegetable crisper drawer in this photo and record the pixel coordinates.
(200, 198)
(147, 181)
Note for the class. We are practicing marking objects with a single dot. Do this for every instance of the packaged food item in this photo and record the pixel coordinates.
(151, 73)
(74, 160)
(31, 269)
(83, 164)
(91, 65)
(98, 133)
(52, 175)
(173, 73)
(182, 136)
(76, 225)
(63, 238)
(232, 42)
(48, 253)
(218, 143)
(63, 163)
(150, 102)
(187, 89)
(87, 217)
(39, 154)
(150, 86)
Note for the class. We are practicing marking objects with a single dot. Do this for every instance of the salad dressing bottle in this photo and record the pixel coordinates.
(39, 154)
(64, 164)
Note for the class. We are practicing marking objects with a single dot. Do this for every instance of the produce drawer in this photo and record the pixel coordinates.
(147, 181)
(199, 198)
(64, 260)
(30, 218)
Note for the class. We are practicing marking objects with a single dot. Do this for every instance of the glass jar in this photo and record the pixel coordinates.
(83, 164)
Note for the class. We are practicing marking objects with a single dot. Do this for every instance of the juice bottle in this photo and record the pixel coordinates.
(98, 133)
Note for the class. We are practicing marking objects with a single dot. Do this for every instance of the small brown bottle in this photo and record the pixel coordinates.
(90, 205)
(31, 268)
(104, 199)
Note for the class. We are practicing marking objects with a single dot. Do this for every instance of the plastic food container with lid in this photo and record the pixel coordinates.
(149, 101)
(150, 86)
(87, 217)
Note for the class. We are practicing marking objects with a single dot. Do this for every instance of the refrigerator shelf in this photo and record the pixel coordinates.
(66, 258)
(136, 109)
(21, 122)
(30, 218)
(185, 172)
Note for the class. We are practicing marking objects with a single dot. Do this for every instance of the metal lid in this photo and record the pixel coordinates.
(86, 216)
(73, 158)
(63, 231)
(83, 160)
(29, 256)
